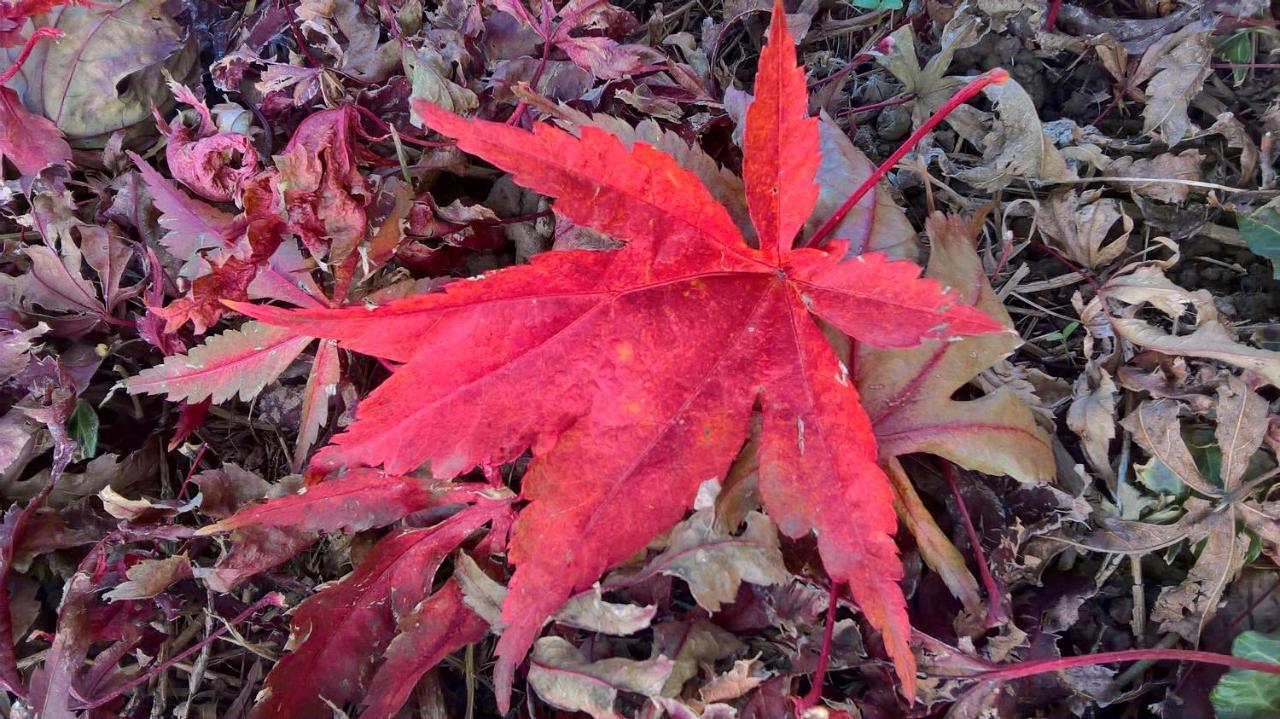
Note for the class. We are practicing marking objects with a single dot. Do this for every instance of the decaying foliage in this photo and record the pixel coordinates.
(512, 358)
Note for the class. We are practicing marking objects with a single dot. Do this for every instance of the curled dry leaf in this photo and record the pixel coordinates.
(1159, 170)
(715, 563)
(1209, 339)
(150, 577)
(1180, 66)
(587, 610)
(1092, 416)
(1081, 225)
(564, 678)
(1016, 147)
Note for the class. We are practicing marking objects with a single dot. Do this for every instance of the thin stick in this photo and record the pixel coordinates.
(994, 597)
(274, 599)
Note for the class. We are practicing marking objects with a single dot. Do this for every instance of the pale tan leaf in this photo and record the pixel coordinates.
(1155, 427)
(1092, 416)
(1016, 147)
(1081, 227)
(715, 564)
(1210, 341)
(908, 392)
(150, 577)
(1180, 75)
(563, 678)
(1165, 172)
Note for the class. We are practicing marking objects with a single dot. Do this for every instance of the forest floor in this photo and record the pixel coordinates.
(1105, 484)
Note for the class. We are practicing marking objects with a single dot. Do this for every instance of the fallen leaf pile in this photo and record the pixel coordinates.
(724, 360)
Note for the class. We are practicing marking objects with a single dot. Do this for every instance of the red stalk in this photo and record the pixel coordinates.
(824, 655)
(996, 609)
(1044, 666)
(995, 76)
(30, 45)
(1051, 17)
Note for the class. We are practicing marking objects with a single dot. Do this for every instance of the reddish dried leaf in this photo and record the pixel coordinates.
(30, 142)
(240, 361)
(343, 630)
(632, 372)
(437, 628)
(908, 393)
(361, 500)
(192, 225)
(203, 164)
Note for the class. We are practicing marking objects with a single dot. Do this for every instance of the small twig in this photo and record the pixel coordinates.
(274, 599)
(899, 100)
(1160, 181)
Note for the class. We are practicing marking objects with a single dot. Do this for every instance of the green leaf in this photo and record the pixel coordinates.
(1244, 694)
(1238, 50)
(1157, 476)
(1261, 232)
(83, 427)
(878, 4)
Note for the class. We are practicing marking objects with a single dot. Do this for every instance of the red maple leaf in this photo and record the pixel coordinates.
(632, 373)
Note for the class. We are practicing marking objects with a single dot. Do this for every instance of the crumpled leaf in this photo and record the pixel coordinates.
(746, 674)
(713, 563)
(1167, 166)
(107, 70)
(692, 644)
(591, 612)
(1180, 74)
(342, 631)
(587, 610)
(1092, 416)
(563, 678)
(907, 392)
(1209, 340)
(432, 81)
(150, 577)
(1017, 147)
(1080, 225)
